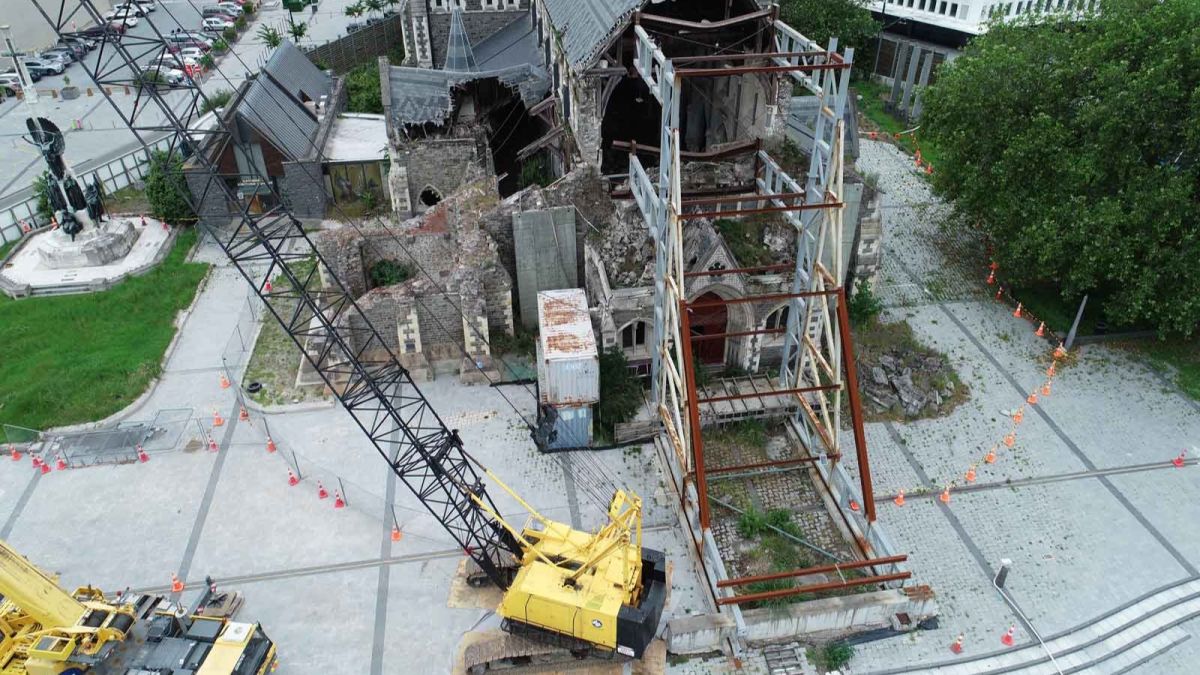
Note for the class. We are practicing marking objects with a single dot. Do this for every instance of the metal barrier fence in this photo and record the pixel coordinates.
(114, 174)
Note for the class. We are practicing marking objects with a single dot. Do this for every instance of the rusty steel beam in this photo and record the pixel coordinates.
(742, 333)
(856, 413)
(626, 194)
(733, 199)
(781, 267)
(772, 297)
(813, 588)
(744, 57)
(750, 70)
(696, 25)
(696, 215)
(764, 465)
(807, 571)
(694, 415)
(739, 148)
(771, 394)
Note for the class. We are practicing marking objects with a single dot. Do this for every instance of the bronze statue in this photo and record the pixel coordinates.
(66, 197)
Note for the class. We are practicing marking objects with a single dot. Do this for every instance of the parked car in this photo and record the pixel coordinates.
(163, 75)
(78, 48)
(64, 54)
(105, 32)
(216, 24)
(13, 74)
(219, 12)
(45, 67)
(146, 5)
(193, 54)
(130, 8)
(174, 61)
(178, 46)
(125, 16)
(234, 8)
(10, 84)
(189, 38)
(126, 22)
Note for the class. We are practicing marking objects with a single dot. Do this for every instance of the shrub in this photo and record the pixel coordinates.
(167, 190)
(535, 172)
(230, 34)
(220, 46)
(620, 391)
(239, 23)
(863, 306)
(836, 655)
(207, 61)
(389, 273)
(248, 8)
(752, 523)
(41, 188)
(215, 100)
(362, 90)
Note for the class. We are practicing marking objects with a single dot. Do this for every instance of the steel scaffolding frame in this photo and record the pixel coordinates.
(817, 345)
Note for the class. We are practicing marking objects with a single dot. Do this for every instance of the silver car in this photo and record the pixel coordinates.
(45, 66)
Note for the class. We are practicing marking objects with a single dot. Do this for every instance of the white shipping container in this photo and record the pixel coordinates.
(568, 362)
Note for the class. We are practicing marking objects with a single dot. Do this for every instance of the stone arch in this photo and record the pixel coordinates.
(739, 317)
(429, 197)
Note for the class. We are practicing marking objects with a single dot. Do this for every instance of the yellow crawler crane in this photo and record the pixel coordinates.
(46, 631)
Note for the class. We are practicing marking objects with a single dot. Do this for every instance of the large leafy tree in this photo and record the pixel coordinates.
(167, 190)
(1076, 146)
(849, 21)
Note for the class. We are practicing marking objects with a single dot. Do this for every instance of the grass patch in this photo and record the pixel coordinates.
(744, 238)
(746, 434)
(5, 248)
(872, 107)
(276, 360)
(80, 358)
(1181, 357)
(127, 200)
(877, 339)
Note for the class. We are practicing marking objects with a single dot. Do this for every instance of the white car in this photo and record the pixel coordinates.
(232, 8)
(129, 8)
(215, 25)
(127, 20)
(192, 54)
(164, 74)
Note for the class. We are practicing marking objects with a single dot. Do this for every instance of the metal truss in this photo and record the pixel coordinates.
(816, 348)
(327, 325)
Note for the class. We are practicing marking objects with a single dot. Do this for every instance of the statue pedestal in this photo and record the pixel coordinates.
(102, 244)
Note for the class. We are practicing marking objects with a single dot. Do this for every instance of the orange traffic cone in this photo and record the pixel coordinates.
(899, 500)
(338, 502)
(37, 461)
(971, 474)
(957, 645)
(166, 227)
(14, 453)
(243, 414)
(322, 493)
(990, 457)
(61, 464)
(993, 266)
(1010, 440)
(267, 286)
(928, 169)
(1019, 415)
(1051, 370)
(854, 506)
(396, 533)
(176, 583)
(999, 293)
(224, 381)
(1178, 461)
(292, 480)
(1017, 311)
(212, 445)
(45, 468)
(991, 278)
(1059, 351)
(142, 456)
(270, 445)
(1007, 638)
(217, 419)
(945, 496)
(1032, 398)
(1041, 330)
(1046, 388)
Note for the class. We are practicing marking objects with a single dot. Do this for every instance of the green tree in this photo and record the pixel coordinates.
(217, 99)
(270, 36)
(374, 5)
(41, 189)
(849, 21)
(356, 10)
(620, 391)
(363, 94)
(1075, 145)
(296, 30)
(167, 190)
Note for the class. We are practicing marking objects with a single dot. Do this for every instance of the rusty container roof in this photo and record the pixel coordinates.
(565, 327)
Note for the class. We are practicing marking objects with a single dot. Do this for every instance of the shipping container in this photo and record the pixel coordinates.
(572, 429)
(568, 363)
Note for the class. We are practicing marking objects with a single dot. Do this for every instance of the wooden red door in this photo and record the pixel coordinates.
(709, 319)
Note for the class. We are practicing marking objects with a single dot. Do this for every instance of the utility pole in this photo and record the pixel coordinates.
(27, 89)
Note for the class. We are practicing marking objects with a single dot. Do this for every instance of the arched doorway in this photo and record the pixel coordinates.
(709, 318)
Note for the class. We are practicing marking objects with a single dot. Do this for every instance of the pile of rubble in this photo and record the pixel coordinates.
(908, 382)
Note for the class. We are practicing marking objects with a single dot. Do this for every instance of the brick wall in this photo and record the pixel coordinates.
(361, 46)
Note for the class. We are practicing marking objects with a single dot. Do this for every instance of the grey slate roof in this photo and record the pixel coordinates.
(297, 74)
(513, 45)
(422, 95)
(272, 104)
(459, 56)
(586, 25)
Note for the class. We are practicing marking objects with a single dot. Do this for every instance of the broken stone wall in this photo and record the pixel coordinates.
(480, 20)
(440, 163)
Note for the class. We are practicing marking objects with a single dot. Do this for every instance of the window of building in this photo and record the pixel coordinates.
(953, 9)
(633, 335)
(716, 267)
(921, 5)
(778, 318)
(942, 8)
